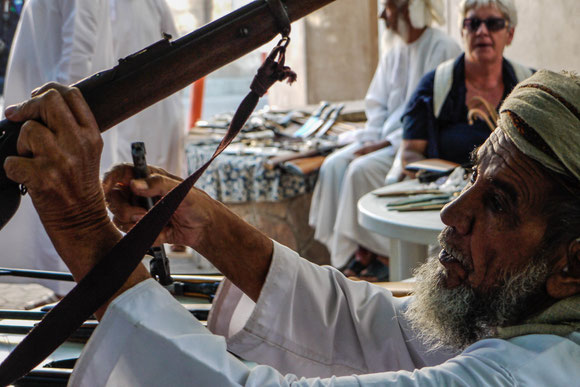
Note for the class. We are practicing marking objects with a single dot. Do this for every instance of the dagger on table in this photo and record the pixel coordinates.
(333, 117)
(312, 120)
(316, 125)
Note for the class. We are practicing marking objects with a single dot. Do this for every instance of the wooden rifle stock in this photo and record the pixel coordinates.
(161, 69)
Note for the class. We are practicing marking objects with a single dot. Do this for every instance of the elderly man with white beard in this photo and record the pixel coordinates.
(360, 167)
(499, 306)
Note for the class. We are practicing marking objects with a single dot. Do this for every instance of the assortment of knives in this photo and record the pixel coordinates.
(270, 133)
(321, 120)
(418, 200)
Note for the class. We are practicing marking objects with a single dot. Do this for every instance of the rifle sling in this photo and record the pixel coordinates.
(107, 276)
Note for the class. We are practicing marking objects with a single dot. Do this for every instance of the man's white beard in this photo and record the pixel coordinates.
(402, 28)
(456, 318)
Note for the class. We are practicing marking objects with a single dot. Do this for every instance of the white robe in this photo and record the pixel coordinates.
(63, 41)
(162, 127)
(336, 192)
(309, 321)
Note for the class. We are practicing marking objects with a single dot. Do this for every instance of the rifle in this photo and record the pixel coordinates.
(187, 285)
(161, 69)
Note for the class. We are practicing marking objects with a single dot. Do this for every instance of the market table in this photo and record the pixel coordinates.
(412, 231)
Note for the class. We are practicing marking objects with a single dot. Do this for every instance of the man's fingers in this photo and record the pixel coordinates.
(118, 175)
(87, 136)
(50, 108)
(14, 112)
(154, 185)
(123, 174)
(47, 86)
(118, 203)
(78, 106)
(35, 138)
(153, 170)
(21, 170)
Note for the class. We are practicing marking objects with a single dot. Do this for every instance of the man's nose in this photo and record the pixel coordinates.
(459, 213)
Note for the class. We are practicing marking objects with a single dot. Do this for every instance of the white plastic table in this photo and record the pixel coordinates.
(411, 231)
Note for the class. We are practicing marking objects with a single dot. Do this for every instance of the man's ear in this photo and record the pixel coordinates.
(565, 282)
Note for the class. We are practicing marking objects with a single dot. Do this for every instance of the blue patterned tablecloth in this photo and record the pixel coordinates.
(243, 178)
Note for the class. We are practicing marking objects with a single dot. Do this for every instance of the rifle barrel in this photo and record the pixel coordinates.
(165, 67)
(63, 276)
(40, 274)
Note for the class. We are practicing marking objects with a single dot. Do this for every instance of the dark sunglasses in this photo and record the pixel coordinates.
(492, 23)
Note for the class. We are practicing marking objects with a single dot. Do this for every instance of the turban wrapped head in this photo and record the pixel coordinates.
(541, 116)
(423, 12)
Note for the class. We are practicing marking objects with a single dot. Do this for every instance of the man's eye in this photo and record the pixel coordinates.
(473, 176)
(496, 203)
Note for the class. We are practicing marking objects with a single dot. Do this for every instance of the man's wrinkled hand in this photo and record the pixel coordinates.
(188, 223)
(58, 159)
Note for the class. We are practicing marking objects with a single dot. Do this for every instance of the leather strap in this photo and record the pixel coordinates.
(107, 277)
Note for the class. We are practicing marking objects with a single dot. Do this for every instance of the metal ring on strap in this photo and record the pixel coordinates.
(279, 13)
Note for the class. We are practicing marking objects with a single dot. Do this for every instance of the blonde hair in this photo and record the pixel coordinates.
(506, 7)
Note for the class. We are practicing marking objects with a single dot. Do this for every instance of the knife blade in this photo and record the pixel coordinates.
(333, 117)
(315, 126)
(312, 120)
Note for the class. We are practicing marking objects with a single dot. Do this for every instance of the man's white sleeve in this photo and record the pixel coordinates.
(312, 321)
(147, 338)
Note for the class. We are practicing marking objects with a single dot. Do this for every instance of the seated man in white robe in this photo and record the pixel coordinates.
(499, 306)
(349, 173)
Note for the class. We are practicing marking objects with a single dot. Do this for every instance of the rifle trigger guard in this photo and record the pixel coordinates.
(279, 13)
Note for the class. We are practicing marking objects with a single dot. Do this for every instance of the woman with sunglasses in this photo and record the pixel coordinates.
(470, 88)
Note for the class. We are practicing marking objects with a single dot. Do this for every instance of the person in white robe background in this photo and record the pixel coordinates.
(349, 173)
(162, 126)
(62, 41)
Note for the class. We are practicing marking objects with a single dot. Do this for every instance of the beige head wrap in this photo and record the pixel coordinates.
(542, 118)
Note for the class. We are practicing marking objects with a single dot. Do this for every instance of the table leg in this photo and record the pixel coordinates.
(404, 257)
